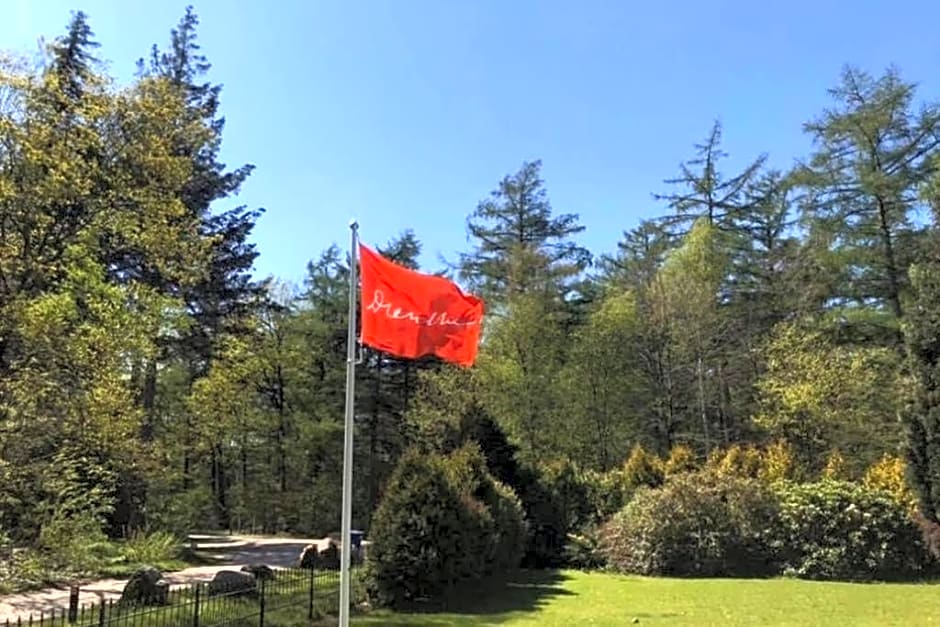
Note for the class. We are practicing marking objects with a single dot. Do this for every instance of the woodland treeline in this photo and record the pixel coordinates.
(149, 380)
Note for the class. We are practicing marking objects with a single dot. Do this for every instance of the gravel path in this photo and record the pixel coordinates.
(233, 551)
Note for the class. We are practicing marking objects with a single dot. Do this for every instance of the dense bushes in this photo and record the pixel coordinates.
(556, 503)
(696, 524)
(442, 520)
(841, 530)
(709, 523)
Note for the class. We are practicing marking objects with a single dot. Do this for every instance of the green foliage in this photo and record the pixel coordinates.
(604, 389)
(74, 543)
(521, 247)
(862, 195)
(921, 415)
(840, 530)
(556, 502)
(442, 520)
(417, 534)
(697, 524)
(835, 468)
(607, 493)
(820, 395)
(149, 381)
(584, 550)
(151, 548)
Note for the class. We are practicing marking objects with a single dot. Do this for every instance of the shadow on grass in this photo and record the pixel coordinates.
(523, 591)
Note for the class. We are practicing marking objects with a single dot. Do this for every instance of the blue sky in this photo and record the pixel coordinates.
(405, 113)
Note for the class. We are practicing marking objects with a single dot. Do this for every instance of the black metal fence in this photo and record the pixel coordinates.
(300, 593)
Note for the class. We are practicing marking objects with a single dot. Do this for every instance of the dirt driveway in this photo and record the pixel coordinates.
(231, 551)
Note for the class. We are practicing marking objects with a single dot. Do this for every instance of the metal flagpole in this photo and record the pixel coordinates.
(346, 540)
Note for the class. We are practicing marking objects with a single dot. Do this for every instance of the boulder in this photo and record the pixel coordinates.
(261, 572)
(145, 587)
(329, 557)
(308, 557)
(232, 583)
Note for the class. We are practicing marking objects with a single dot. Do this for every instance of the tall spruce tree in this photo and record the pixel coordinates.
(222, 299)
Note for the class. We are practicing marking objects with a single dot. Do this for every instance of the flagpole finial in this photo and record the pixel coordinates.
(353, 224)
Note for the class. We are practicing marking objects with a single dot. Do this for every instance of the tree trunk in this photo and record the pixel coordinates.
(700, 371)
(148, 399)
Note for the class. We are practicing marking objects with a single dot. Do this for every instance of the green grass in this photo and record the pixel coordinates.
(571, 598)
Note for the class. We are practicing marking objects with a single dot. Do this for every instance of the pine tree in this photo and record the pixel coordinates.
(861, 187)
(640, 253)
(705, 192)
(520, 246)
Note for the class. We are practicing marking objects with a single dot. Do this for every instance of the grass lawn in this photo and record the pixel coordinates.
(572, 598)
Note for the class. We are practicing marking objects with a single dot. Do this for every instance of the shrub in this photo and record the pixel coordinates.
(889, 475)
(583, 549)
(151, 548)
(735, 461)
(643, 469)
(606, 492)
(696, 524)
(774, 463)
(841, 530)
(441, 520)
(511, 530)
(681, 459)
(417, 532)
(777, 462)
(75, 543)
(503, 538)
(556, 502)
(835, 467)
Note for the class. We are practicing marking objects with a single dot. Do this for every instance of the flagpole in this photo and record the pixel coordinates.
(346, 539)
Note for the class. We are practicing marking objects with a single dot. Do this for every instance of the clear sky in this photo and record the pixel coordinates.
(405, 113)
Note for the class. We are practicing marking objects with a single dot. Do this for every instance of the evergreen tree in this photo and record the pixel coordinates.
(705, 192)
(73, 62)
(921, 327)
(861, 187)
(222, 298)
(639, 255)
(520, 246)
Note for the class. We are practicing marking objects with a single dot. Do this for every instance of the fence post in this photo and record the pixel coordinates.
(73, 604)
(310, 605)
(101, 613)
(196, 607)
(261, 613)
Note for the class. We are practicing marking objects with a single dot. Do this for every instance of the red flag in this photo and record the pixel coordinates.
(409, 314)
